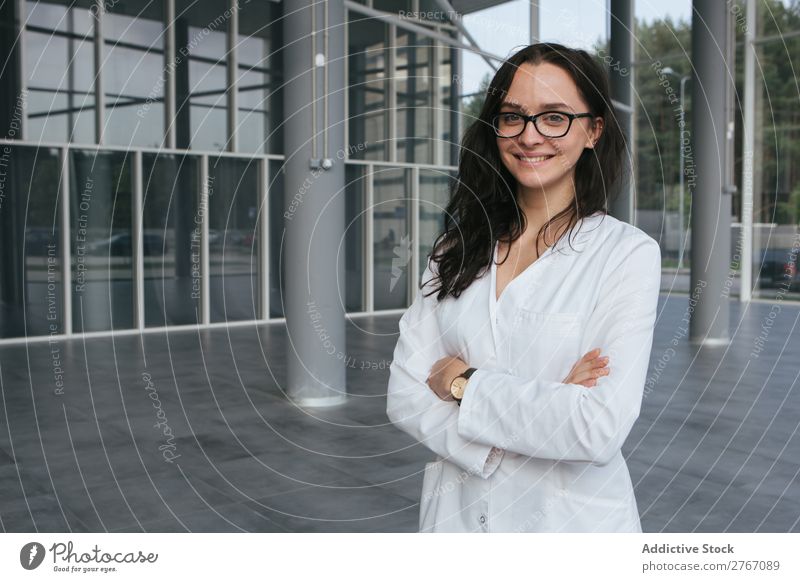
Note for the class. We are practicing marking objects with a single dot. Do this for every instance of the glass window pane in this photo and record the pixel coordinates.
(414, 98)
(355, 239)
(59, 62)
(776, 160)
(449, 105)
(391, 243)
(434, 194)
(171, 225)
(101, 241)
(200, 74)
(259, 126)
(368, 89)
(133, 74)
(31, 298)
(277, 224)
(233, 207)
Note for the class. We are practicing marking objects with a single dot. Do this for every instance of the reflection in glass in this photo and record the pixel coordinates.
(367, 90)
(171, 224)
(434, 194)
(355, 228)
(133, 73)
(259, 126)
(31, 298)
(450, 114)
(414, 98)
(101, 241)
(776, 160)
(200, 79)
(391, 242)
(59, 65)
(233, 206)
(277, 225)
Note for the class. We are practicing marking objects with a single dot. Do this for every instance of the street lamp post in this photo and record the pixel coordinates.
(670, 71)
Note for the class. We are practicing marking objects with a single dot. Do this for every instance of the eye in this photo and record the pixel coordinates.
(511, 118)
(554, 118)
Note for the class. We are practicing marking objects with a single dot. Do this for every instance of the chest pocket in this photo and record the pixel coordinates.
(543, 344)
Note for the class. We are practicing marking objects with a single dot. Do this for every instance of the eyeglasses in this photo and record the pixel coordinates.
(547, 123)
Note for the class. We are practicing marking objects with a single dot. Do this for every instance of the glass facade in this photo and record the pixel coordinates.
(415, 100)
(233, 206)
(391, 236)
(164, 201)
(368, 89)
(776, 158)
(355, 237)
(434, 194)
(59, 73)
(132, 66)
(171, 231)
(31, 272)
(101, 240)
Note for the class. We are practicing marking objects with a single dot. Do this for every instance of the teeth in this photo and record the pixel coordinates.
(536, 159)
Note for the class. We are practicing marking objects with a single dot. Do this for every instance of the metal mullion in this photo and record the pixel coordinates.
(233, 71)
(23, 82)
(748, 155)
(205, 271)
(138, 242)
(66, 250)
(169, 73)
(415, 235)
(437, 104)
(263, 233)
(99, 96)
(392, 93)
(369, 271)
(346, 84)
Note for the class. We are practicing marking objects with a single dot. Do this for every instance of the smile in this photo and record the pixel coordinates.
(533, 160)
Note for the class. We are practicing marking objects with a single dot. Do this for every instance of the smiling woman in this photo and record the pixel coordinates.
(524, 377)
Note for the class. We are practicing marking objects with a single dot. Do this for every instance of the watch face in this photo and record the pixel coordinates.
(457, 387)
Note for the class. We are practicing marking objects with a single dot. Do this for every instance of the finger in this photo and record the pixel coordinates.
(590, 370)
(591, 374)
(592, 354)
(599, 362)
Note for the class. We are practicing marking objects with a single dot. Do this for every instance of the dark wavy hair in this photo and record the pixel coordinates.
(483, 207)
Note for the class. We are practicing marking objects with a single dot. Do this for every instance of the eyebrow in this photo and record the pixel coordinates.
(545, 106)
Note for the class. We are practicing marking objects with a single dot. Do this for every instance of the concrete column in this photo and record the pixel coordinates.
(711, 200)
(315, 202)
(621, 53)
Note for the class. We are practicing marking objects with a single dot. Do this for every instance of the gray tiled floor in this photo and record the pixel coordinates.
(715, 449)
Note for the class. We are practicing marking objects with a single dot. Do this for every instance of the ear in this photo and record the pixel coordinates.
(595, 133)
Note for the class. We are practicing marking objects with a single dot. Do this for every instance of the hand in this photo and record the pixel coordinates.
(443, 372)
(588, 369)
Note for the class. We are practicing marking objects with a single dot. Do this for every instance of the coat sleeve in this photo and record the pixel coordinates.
(569, 422)
(413, 407)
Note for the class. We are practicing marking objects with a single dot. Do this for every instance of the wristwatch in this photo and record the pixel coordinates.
(459, 384)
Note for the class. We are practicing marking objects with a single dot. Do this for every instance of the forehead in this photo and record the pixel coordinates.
(534, 86)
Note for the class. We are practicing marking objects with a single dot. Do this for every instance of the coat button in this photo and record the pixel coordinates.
(483, 519)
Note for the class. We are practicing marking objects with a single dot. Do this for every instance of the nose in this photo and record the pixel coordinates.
(530, 136)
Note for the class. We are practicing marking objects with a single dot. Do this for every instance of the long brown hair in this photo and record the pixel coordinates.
(480, 211)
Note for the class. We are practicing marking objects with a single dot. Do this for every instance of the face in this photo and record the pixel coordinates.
(539, 163)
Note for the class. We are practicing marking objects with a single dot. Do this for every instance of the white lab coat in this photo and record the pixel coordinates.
(524, 451)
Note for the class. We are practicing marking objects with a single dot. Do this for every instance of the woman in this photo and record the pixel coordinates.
(525, 375)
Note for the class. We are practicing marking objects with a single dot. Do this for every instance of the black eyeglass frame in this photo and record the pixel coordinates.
(532, 118)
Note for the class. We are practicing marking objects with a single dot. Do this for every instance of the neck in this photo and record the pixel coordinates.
(540, 206)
